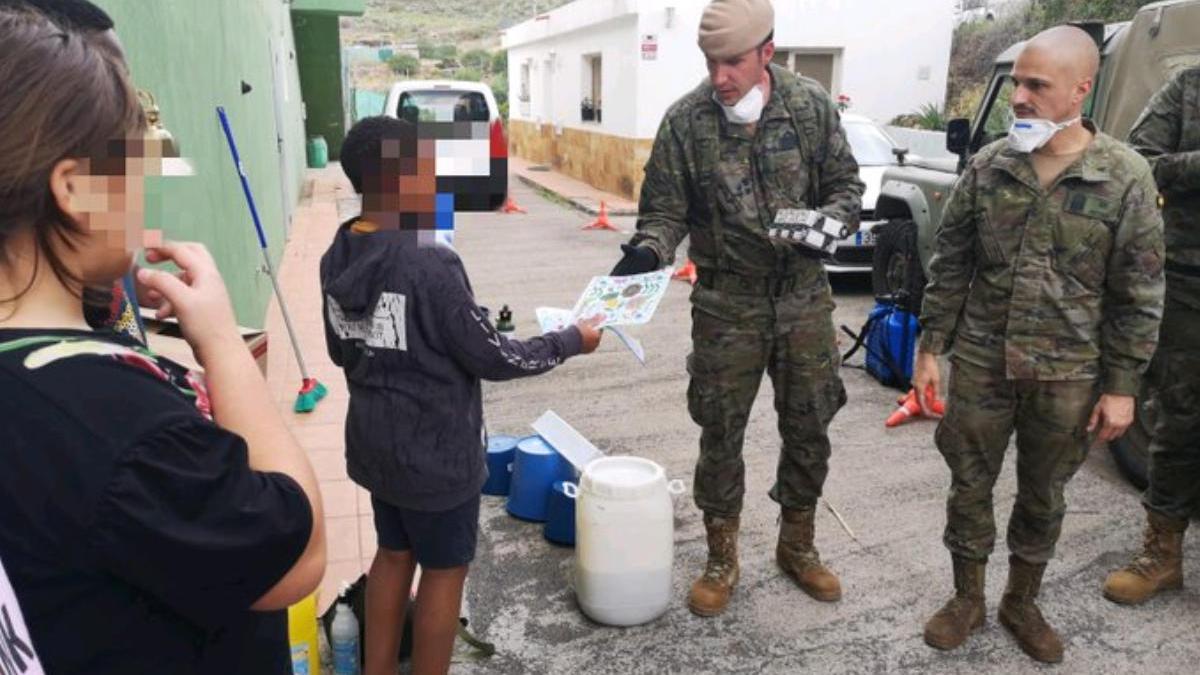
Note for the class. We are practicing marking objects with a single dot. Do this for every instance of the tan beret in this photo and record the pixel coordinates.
(732, 27)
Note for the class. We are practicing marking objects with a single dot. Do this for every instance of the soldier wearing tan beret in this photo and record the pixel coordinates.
(749, 141)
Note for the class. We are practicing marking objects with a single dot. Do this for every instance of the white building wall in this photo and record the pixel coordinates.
(679, 65)
(894, 56)
(557, 77)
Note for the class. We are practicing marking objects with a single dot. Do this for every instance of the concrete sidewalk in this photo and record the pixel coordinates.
(349, 527)
(577, 193)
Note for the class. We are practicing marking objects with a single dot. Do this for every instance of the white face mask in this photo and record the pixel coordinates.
(1027, 135)
(745, 111)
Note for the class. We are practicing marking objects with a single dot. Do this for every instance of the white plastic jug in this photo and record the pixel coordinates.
(624, 540)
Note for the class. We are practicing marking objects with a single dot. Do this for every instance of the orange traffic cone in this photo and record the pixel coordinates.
(602, 222)
(937, 405)
(510, 206)
(687, 272)
(910, 407)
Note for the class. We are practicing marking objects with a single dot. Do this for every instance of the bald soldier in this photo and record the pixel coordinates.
(749, 142)
(1046, 290)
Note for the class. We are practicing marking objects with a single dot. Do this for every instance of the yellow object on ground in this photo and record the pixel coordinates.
(302, 635)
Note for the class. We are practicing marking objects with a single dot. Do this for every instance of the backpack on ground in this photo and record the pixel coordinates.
(890, 339)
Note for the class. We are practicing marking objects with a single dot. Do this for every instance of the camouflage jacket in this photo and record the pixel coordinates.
(1064, 283)
(1168, 134)
(718, 183)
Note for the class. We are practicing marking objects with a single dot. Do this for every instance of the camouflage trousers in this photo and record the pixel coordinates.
(734, 340)
(983, 408)
(1175, 450)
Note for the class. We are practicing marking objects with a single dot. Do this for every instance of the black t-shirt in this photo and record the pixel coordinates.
(132, 529)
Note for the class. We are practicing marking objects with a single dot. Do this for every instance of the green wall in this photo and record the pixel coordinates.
(194, 56)
(319, 45)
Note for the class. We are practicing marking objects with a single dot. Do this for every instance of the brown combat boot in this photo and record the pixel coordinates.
(1158, 567)
(711, 592)
(1021, 616)
(798, 557)
(965, 613)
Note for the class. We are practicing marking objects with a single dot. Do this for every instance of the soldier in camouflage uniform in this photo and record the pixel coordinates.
(1168, 134)
(1046, 288)
(719, 171)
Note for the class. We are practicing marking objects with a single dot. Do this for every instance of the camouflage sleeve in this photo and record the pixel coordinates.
(663, 205)
(840, 190)
(951, 268)
(1133, 297)
(1157, 135)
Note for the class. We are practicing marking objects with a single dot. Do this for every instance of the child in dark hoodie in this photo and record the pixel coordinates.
(401, 321)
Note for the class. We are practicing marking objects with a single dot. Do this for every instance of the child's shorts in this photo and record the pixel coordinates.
(437, 539)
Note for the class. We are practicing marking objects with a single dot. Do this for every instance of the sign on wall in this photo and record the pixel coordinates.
(649, 47)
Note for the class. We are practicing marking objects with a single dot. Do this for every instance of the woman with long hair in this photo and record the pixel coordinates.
(146, 514)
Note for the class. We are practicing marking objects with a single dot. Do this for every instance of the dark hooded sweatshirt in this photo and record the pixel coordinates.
(402, 323)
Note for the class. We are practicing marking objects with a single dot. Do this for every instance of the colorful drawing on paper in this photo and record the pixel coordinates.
(552, 319)
(623, 301)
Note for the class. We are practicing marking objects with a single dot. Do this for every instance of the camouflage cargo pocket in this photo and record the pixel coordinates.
(703, 402)
(987, 244)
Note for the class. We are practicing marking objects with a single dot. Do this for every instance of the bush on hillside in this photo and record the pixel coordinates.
(976, 45)
(405, 64)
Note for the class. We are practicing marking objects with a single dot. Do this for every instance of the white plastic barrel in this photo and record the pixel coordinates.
(624, 540)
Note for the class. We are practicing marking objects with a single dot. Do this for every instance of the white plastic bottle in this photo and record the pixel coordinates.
(344, 637)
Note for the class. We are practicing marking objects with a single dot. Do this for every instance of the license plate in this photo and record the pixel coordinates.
(864, 238)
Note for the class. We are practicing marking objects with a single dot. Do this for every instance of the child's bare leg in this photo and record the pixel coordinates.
(388, 585)
(439, 599)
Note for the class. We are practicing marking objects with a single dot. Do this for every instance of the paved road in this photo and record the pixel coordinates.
(889, 486)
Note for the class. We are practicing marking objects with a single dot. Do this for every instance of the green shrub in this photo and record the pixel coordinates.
(405, 64)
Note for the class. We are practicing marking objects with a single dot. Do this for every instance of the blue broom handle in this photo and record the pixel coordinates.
(237, 160)
(262, 240)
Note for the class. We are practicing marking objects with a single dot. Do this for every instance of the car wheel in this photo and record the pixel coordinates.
(896, 271)
(1131, 451)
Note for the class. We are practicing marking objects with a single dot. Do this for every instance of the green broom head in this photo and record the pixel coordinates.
(311, 392)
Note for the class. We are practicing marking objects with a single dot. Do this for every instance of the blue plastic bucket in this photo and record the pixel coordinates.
(560, 514)
(501, 451)
(536, 468)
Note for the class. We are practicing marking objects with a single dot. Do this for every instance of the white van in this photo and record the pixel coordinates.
(464, 121)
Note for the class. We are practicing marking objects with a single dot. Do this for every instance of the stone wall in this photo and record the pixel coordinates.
(610, 163)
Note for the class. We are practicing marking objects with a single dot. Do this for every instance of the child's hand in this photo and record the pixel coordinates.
(196, 295)
(591, 335)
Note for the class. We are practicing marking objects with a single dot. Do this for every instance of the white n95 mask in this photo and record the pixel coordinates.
(1027, 135)
(747, 110)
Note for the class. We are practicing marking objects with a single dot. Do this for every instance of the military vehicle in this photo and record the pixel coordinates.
(1137, 58)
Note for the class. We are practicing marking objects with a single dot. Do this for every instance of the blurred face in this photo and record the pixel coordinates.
(732, 78)
(1047, 88)
(106, 196)
(404, 194)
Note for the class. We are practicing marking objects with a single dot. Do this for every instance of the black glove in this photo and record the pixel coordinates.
(637, 260)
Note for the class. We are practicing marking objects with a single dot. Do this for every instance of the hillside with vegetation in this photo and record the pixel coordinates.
(454, 39)
(977, 44)
(467, 23)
